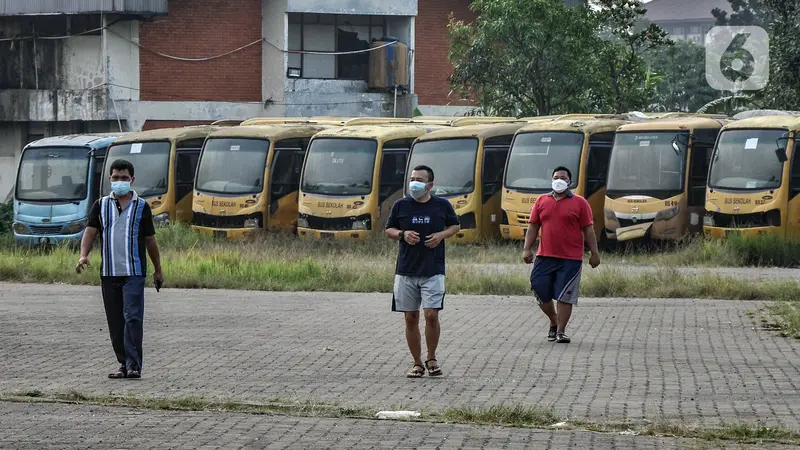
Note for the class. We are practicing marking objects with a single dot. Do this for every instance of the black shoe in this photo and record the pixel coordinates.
(551, 336)
(562, 338)
(134, 374)
(120, 373)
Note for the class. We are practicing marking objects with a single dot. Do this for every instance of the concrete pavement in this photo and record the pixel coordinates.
(693, 361)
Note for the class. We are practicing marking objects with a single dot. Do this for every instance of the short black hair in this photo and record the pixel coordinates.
(569, 174)
(427, 169)
(121, 164)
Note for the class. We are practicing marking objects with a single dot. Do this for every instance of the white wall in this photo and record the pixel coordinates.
(82, 59)
(123, 60)
(274, 61)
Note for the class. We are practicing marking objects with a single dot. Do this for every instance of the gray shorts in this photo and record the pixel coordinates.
(412, 292)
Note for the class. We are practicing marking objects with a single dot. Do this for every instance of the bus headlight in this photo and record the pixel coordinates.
(21, 228)
(362, 222)
(161, 220)
(610, 215)
(302, 221)
(252, 222)
(75, 227)
(667, 213)
(708, 220)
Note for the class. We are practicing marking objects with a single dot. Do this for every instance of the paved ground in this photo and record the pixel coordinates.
(749, 273)
(60, 426)
(693, 361)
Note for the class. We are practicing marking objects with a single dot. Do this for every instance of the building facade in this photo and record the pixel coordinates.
(107, 65)
(685, 19)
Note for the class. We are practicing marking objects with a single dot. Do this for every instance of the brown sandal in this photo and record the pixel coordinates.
(435, 370)
(416, 373)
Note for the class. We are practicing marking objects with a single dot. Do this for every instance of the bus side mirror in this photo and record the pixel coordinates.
(781, 154)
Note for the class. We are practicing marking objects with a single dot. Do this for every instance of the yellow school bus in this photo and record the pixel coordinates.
(754, 181)
(164, 161)
(248, 177)
(583, 145)
(336, 121)
(351, 178)
(657, 178)
(468, 164)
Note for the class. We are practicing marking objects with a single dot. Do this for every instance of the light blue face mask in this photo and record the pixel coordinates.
(417, 189)
(121, 187)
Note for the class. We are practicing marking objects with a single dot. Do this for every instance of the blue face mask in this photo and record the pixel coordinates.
(417, 189)
(121, 187)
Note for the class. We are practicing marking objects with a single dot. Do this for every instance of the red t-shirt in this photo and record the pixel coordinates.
(562, 223)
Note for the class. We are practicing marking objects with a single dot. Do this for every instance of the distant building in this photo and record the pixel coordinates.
(685, 19)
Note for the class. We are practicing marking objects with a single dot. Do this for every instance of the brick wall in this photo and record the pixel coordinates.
(197, 29)
(432, 68)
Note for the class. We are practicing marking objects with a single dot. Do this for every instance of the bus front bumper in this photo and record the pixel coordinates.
(47, 239)
(513, 232)
(309, 233)
(227, 233)
(722, 233)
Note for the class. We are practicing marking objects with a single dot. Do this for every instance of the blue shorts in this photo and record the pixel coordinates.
(556, 279)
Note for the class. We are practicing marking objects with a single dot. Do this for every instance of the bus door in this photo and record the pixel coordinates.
(495, 153)
(284, 182)
(792, 225)
(187, 154)
(699, 161)
(392, 177)
(600, 145)
(96, 182)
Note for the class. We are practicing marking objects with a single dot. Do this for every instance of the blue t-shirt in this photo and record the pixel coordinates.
(427, 218)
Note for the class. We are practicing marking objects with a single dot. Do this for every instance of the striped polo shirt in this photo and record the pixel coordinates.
(122, 235)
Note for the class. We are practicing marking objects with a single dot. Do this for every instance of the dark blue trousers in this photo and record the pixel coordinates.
(123, 298)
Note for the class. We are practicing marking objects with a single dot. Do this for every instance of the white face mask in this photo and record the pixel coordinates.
(560, 186)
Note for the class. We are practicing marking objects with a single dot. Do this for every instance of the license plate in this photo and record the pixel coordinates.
(220, 234)
(326, 235)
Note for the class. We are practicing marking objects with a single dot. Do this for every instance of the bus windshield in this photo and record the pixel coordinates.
(232, 166)
(745, 159)
(338, 166)
(534, 156)
(150, 165)
(54, 174)
(452, 161)
(646, 161)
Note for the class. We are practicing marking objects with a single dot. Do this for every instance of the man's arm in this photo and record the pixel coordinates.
(152, 250)
(591, 239)
(392, 224)
(149, 233)
(587, 226)
(89, 235)
(530, 237)
(87, 241)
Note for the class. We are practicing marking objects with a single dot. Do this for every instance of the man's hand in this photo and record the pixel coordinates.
(434, 240)
(158, 279)
(527, 256)
(411, 237)
(594, 260)
(83, 262)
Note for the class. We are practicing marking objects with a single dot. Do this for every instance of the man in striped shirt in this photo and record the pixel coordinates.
(125, 224)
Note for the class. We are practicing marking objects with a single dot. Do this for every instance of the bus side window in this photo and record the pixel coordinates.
(393, 173)
(185, 167)
(795, 181)
(597, 166)
(494, 162)
(702, 148)
(285, 176)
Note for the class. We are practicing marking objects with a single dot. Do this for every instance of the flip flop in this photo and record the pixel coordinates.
(416, 373)
(435, 371)
(120, 373)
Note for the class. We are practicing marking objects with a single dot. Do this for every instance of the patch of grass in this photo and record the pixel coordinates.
(232, 268)
(787, 317)
(517, 416)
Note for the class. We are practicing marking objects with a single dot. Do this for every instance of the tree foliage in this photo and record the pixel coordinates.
(539, 57)
(681, 83)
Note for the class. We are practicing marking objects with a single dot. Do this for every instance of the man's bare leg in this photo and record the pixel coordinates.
(432, 332)
(564, 313)
(413, 338)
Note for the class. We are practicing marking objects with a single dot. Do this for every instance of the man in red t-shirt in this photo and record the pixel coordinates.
(566, 223)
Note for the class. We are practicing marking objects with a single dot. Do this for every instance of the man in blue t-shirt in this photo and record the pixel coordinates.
(421, 223)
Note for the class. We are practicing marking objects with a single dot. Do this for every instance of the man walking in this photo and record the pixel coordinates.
(125, 224)
(565, 220)
(421, 223)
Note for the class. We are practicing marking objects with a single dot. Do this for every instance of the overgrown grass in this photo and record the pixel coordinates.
(787, 316)
(244, 268)
(518, 416)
